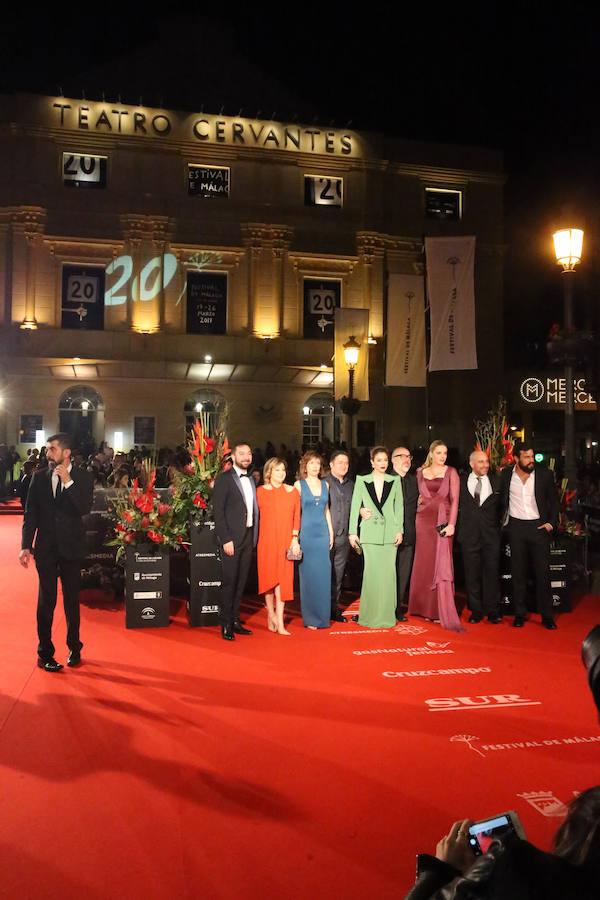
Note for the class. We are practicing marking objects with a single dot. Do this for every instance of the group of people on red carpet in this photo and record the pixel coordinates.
(404, 526)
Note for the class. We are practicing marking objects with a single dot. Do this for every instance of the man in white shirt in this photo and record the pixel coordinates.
(530, 505)
(236, 524)
(57, 499)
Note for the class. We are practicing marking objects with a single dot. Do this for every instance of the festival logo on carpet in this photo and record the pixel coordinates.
(484, 701)
(429, 649)
(545, 803)
(412, 630)
(522, 745)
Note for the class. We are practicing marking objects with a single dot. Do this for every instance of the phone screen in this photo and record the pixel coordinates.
(482, 834)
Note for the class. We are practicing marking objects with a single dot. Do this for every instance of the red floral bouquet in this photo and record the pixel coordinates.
(192, 491)
(142, 518)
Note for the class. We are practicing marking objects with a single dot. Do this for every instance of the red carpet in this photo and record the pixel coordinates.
(173, 764)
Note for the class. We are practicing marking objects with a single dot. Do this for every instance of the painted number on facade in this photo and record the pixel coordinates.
(145, 285)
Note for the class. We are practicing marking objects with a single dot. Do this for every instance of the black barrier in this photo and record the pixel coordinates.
(147, 587)
(205, 576)
(101, 577)
(564, 577)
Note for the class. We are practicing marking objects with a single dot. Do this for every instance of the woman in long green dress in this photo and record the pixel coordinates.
(379, 496)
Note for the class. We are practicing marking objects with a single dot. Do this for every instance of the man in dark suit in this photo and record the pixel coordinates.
(236, 524)
(340, 498)
(479, 536)
(530, 506)
(401, 463)
(58, 498)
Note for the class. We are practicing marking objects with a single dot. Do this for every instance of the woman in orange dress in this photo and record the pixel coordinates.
(279, 506)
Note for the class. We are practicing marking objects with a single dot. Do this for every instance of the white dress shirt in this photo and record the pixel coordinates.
(248, 497)
(56, 479)
(522, 503)
(486, 486)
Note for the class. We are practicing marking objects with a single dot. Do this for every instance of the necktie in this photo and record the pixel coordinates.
(477, 494)
(58, 489)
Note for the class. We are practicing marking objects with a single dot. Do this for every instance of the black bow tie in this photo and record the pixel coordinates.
(244, 475)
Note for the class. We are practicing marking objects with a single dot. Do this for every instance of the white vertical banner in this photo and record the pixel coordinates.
(450, 287)
(405, 342)
(350, 322)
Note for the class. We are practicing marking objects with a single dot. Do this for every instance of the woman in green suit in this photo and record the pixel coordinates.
(377, 499)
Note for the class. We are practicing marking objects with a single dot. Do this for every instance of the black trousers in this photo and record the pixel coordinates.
(529, 542)
(235, 573)
(482, 575)
(404, 564)
(339, 558)
(69, 572)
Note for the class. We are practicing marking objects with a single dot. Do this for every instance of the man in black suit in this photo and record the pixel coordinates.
(530, 506)
(340, 498)
(236, 524)
(401, 463)
(479, 536)
(58, 498)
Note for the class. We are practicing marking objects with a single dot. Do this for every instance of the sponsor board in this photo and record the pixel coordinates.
(484, 701)
(427, 672)
(147, 595)
(468, 740)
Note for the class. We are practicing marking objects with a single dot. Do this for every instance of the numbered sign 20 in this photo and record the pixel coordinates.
(82, 297)
(84, 171)
(323, 191)
(320, 301)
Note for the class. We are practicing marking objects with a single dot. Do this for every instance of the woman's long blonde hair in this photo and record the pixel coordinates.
(433, 446)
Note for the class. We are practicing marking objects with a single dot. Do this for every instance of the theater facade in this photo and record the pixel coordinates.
(157, 262)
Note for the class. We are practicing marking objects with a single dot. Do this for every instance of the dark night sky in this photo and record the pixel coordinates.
(508, 76)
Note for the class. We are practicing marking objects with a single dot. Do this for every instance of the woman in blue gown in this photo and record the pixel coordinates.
(316, 540)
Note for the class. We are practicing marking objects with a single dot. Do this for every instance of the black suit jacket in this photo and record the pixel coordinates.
(410, 493)
(476, 521)
(56, 524)
(229, 507)
(546, 496)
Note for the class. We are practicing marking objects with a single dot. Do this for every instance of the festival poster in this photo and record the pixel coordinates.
(451, 293)
(206, 302)
(405, 342)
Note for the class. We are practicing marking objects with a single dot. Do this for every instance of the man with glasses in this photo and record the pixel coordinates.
(401, 462)
(340, 498)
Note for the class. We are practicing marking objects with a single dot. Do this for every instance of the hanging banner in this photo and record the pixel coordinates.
(351, 323)
(405, 345)
(450, 264)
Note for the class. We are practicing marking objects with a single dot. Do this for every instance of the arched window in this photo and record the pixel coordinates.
(210, 403)
(320, 419)
(81, 415)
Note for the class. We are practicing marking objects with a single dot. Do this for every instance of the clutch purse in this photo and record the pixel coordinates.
(293, 556)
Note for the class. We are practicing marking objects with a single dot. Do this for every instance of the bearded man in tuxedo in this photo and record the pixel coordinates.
(58, 498)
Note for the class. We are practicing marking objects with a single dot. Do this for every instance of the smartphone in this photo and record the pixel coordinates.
(440, 528)
(483, 833)
(358, 547)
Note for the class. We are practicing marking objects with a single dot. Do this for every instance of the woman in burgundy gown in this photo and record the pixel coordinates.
(432, 580)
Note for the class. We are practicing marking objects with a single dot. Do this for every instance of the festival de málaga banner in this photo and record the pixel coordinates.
(350, 322)
(450, 288)
(405, 347)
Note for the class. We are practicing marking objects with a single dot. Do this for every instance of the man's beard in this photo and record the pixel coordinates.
(527, 468)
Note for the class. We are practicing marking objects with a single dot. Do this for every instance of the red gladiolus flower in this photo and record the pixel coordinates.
(163, 508)
(180, 539)
(155, 536)
(145, 521)
(128, 515)
(120, 527)
(129, 537)
(144, 503)
(198, 501)
(209, 445)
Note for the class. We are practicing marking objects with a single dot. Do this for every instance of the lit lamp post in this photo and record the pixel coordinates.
(349, 404)
(568, 244)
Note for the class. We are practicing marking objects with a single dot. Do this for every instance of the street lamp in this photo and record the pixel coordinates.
(349, 405)
(568, 243)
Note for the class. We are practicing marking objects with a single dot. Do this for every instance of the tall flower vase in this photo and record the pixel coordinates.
(147, 587)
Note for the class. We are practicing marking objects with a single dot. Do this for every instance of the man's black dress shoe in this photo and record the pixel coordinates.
(401, 618)
(74, 658)
(227, 632)
(474, 618)
(550, 624)
(238, 628)
(518, 621)
(338, 617)
(354, 618)
(49, 665)
(494, 619)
